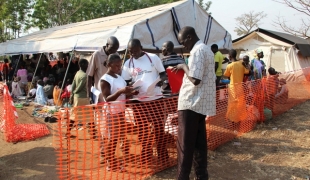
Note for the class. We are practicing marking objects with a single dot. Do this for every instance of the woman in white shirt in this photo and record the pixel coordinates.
(114, 90)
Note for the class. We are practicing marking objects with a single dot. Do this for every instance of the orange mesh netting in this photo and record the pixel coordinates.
(15, 132)
(134, 140)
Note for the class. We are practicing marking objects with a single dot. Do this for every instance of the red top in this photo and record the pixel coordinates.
(175, 79)
(5, 68)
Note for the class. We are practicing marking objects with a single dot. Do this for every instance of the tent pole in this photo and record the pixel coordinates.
(124, 58)
(35, 71)
(15, 70)
(63, 82)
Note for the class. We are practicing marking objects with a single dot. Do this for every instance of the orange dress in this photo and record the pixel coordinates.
(56, 93)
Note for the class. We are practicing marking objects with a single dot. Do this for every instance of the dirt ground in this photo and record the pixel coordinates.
(278, 149)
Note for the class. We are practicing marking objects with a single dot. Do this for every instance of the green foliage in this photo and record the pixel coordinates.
(14, 18)
(18, 16)
(206, 6)
(50, 13)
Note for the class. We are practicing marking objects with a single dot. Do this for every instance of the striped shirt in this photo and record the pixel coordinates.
(172, 60)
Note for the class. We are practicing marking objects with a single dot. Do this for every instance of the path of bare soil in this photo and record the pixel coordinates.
(278, 149)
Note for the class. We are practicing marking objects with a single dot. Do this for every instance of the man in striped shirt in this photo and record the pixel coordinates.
(170, 59)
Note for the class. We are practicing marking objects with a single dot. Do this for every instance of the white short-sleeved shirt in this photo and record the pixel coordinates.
(116, 84)
(200, 98)
(147, 69)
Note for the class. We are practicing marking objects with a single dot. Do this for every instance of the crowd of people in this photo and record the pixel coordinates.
(105, 71)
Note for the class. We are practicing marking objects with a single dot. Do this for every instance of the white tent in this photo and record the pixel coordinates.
(153, 26)
(284, 52)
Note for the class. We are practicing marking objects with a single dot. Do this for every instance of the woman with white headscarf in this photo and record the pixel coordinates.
(258, 65)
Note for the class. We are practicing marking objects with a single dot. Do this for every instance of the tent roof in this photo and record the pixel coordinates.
(99, 24)
(301, 44)
(152, 26)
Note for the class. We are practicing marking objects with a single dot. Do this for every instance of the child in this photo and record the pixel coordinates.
(32, 92)
(67, 93)
(114, 88)
(16, 90)
(40, 95)
(48, 89)
(79, 98)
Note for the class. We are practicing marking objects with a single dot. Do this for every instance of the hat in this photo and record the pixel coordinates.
(257, 51)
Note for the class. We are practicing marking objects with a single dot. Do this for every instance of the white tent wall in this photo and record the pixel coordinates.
(155, 31)
(210, 31)
(91, 35)
(151, 38)
(47, 45)
(250, 44)
(279, 55)
(94, 41)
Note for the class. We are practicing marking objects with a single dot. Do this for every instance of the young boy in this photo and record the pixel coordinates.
(79, 98)
(40, 95)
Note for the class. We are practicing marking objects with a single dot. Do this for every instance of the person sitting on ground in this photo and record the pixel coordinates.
(114, 88)
(51, 77)
(170, 59)
(40, 95)
(22, 85)
(282, 94)
(56, 94)
(219, 59)
(16, 90)
(65, 95)
(48, 89)
(32, 92)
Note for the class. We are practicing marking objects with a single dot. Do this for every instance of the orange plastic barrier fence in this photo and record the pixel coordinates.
(134, 140)
(15, 132)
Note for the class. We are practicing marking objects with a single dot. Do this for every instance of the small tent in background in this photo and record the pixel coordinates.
(282, 51)
(153, 26)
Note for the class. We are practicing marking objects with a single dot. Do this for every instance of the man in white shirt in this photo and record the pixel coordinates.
(197, 99)
(148, 69)
(97, 65)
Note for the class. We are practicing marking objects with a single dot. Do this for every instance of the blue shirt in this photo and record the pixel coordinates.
(40, 96)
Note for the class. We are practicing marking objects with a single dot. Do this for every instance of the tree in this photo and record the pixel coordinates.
(302, 6)
(247, 21)
(206, 6)
(50, 13)
(14, 18)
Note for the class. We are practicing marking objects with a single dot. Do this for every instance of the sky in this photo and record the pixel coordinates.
(225, 12)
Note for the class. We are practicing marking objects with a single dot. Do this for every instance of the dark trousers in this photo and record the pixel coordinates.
(192, 143)
(147, 113)
(217, 82)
